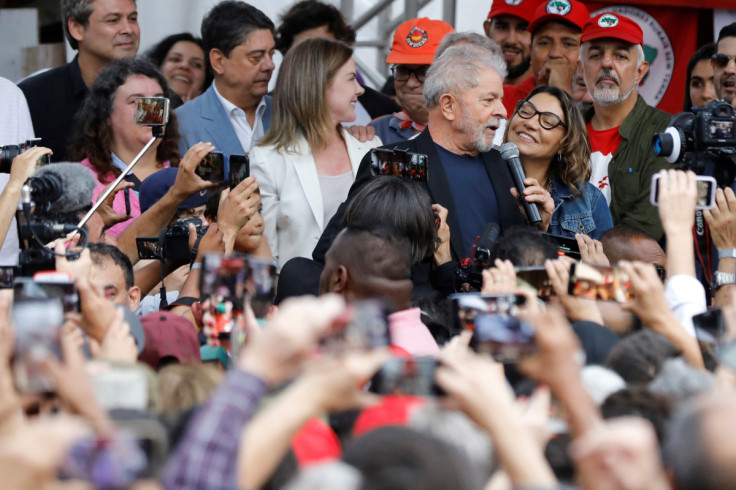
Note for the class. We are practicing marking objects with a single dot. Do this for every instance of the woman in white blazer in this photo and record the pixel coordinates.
(307, 162)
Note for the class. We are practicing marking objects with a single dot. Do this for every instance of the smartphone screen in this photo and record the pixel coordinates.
(496, 328)
(401, 376)
(600, 282)
(367, 328)
(239, 169)
(149, 248)
(399, 163)
(212, 167)
(6, 277)
(706, 191)
(37, 325)
(535, 278)
(151, 111)
(223, 282)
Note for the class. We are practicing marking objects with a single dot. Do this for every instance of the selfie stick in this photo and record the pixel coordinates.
(157, 133)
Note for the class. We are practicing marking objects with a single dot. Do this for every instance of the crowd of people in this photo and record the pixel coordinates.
(295, 322)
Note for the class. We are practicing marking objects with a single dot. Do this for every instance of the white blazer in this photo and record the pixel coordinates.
(293, 211)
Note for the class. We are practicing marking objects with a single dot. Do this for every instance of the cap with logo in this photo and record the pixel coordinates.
(524, 9)
(569, 11)
(416, 40)
(614, 26)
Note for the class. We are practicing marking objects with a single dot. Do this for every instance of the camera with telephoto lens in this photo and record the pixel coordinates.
(709, 134)
(9, 152)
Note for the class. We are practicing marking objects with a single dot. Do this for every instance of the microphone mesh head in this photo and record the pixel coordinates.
(78, 182)
(509, 150)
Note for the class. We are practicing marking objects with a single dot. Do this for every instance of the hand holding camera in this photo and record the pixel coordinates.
(26, 163)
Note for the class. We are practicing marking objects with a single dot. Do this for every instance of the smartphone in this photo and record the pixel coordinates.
(535, 278)
(149, 248)
(238, 169)
(63, 291)
(706, 191)
(223, 282)
(260, 285)
(366, 328)
(6, 277)
(496, 328)
(37, 324)
(709, 330)
(566, 246)
(401, 376)
(599, 282)
(212, 167)
(151, 111)
(400, 163)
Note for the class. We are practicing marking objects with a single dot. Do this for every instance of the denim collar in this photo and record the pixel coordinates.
(559, 189)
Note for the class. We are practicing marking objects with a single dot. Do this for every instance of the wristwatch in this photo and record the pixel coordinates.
(722, 279)
(727, 253)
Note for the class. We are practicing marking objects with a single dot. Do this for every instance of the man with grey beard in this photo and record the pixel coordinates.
(621, 124)
(462, 92)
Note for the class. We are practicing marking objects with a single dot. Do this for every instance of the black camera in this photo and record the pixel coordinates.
(469, 271)
(9, 152)
(172, 244)
(693, 138)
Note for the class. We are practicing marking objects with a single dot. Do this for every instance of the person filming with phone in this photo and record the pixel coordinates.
(107, 137)
(549, 132)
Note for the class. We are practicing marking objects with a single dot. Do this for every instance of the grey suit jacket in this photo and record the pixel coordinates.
(204, 119)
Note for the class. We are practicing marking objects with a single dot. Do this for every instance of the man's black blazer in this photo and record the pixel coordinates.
(439, 190)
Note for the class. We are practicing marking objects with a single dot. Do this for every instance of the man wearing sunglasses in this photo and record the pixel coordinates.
(415, 42)
(724, 64)
(621, 124)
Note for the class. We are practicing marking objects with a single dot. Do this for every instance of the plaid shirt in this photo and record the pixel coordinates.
(206, 457)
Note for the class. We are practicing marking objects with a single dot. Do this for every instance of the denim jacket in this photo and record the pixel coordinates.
(587, 214)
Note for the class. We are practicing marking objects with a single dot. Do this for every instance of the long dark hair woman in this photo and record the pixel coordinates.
(106, 138)
(555, 153)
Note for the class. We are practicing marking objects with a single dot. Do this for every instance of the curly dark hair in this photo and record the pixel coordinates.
(310, 14)
(92, 137)
(157, 54)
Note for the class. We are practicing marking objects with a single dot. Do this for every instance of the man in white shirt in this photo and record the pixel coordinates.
(235, 112)
(15, 128)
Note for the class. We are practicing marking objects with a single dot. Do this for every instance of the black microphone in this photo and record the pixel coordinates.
(485, 243)
(510, 153)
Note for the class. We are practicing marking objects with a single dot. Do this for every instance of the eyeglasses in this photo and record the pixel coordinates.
(721, 60)
(548, 120)
(402, 73)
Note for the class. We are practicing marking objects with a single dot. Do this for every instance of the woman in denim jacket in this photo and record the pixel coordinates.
(555, 152)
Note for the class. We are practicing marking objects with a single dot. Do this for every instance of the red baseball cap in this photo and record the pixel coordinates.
(524, 9)
(169, 335)
(570, 11)
(615, 26)
(416, 40)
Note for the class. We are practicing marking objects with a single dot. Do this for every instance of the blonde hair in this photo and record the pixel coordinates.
(300, 97)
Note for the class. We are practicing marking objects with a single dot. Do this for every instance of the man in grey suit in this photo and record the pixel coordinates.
(235, 112)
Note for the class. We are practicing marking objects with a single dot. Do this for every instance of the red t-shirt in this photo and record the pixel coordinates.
(603, 144)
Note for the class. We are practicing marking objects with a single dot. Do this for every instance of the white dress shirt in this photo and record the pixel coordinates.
(247, 135)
